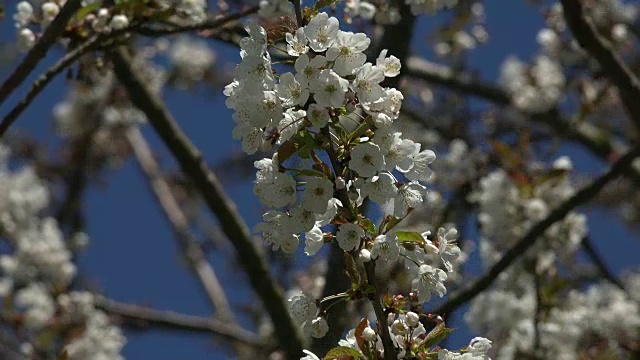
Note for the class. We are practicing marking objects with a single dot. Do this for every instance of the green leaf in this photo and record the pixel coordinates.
(352, 270)
(86, 10)
(391, 223)
(409, 237)
(129, 2)
(439, 333)
(369, 226)
(342, 353)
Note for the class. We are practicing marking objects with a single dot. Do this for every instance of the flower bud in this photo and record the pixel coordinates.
(412, 319)
(369, 334)
(319, 327)
(365, 255)
(119, 22)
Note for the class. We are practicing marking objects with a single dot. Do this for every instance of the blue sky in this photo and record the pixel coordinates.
(132, 253)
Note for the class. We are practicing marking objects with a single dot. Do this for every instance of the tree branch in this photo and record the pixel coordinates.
(298, 11)
(611, 64)
(210, 24)
(39, 50)
(234, 227)
(142, 317)
(191, 250)
(44, 80)
(583, 133)
(597, 260)
(510, 256)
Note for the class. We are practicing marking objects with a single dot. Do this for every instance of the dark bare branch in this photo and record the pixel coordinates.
(232, 224)
(510, 256)
(191, 250)
(39, 50)
(611, 64)
(142, 317)
(44, 80)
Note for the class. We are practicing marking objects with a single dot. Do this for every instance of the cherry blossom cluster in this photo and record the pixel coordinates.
(508, 209)
(330, 123)
(32, 17)
(591, 321)
(35, 276)
(408, 335)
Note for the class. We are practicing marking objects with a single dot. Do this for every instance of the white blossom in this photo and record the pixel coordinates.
(420, 170)
(385, 248)
(408, 196)
(346, 52)
(390, 65)
(319, 327)
(367, 83)
(314, 239)
(329, 89)
(37, 304)
(302, 308)
(290, 123)
(428, 279)
(308, 70)
(318, 116)
(26, 40)
(380, 188)
(447, 249)
(297, 45)
(49, 11)
(348, 236)
(290, 91)
(119, 22)
(275, 8)
(301, 219)
(317, 194)
(24, 14)
(321, 31)
(366, 159)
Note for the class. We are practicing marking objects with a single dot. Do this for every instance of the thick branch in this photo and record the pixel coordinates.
(232, 224)
(188, 244)
(143, 317)
(611, 64)
(39, 50)
(510, 256)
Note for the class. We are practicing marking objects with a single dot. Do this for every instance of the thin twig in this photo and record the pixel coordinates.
(232, 224)
(75, 179)
(298, 10)
(537, 317)
(510, 256)
(611, 64)
(39, 50)
(44, 80)
(597, 260)
(211, 24)
(188, 244)
(142, 317)
(583, 132)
